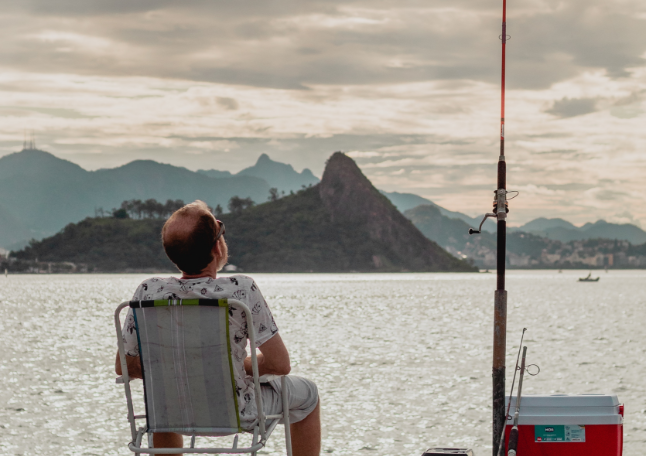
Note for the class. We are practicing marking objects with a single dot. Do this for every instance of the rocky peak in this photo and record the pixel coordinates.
(350, 198)
(349, 195)
(264, 159)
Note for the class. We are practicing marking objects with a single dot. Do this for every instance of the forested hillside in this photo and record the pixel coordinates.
(342, 224)
(42, 193)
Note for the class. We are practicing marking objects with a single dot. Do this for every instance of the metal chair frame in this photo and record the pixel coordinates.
(260, 431)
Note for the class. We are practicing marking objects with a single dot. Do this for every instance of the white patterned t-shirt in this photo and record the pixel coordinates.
(238, 287)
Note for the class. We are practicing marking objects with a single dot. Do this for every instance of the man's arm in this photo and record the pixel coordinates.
(134, 366)
(272, 359)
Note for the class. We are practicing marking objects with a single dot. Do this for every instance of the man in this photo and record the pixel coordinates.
(194, 241)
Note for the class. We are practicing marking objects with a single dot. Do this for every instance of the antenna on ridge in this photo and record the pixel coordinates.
(29, 142)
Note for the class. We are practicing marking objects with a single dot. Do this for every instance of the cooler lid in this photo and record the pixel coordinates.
(567, 409)
(564, 400)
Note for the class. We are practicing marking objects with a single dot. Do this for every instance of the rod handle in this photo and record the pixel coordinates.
(513, 441)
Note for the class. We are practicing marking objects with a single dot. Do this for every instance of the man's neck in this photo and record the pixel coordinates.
(210, 271)
(203, 274)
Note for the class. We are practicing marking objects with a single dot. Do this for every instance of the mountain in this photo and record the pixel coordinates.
(623, 232)
(278, 175)
(561, 230)
(543, 224)
(11, 230)
(214, 173)
(352, 200)
(42, 193)
(36, 164)
(143, 179)
(406, 201)
(342, 224)
(450, 233)
(527, 250)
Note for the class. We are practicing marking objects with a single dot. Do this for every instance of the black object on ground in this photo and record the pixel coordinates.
(451, 451)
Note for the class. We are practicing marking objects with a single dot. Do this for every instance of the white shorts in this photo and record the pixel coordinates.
(303, 397)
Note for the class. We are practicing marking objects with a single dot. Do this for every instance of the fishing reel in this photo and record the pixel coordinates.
(501, 201)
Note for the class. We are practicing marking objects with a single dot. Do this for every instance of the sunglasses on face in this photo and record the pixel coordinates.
(221, 231)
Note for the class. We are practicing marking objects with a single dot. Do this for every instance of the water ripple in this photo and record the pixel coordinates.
(402, 361)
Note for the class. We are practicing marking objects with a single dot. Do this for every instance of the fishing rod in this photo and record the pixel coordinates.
(511, 392)
(513, 435)
(500, 210)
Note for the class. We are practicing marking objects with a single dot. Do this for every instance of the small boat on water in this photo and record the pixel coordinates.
(588, 278)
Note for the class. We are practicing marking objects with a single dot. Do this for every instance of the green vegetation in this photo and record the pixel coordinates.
(292, 234)
(237, 205)
(342, 224)
(151, 208)
(102, 245)
(295, 234)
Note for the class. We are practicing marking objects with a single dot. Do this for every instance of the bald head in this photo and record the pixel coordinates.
(189, 237)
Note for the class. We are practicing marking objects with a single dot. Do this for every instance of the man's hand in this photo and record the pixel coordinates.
(134, 366)
(273, 358)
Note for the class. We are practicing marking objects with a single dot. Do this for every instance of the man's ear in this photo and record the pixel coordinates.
(217, 250)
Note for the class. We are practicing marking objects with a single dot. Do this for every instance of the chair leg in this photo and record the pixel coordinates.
(254, 439)
(288, 433)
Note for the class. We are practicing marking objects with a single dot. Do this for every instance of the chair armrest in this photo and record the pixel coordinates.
(119, 380)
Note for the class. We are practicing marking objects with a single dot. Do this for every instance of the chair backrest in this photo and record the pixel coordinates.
(187, 369)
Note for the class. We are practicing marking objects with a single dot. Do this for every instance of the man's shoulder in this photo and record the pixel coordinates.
(160, 279)
(236, 286)
(239, 280)
(156, 281)
(152, 287)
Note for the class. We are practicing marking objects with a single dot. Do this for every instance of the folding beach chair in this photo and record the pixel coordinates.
(189, 388)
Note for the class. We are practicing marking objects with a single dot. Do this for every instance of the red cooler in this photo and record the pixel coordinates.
(568, 425)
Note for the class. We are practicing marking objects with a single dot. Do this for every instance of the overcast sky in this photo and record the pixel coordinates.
(410, 89)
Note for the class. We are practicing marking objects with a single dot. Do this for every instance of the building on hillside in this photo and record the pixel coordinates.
(609, 260)
(636, 261)
(519, 260)
(550, 258)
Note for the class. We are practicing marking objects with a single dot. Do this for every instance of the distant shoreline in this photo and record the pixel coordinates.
(158, 272)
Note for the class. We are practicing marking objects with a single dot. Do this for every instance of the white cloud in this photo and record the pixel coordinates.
(88, 42)
(624, 217)
(366, 154)
(410, 90)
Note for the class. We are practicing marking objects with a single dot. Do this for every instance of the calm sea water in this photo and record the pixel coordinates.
(402, 361)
